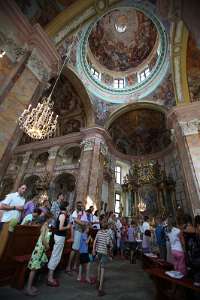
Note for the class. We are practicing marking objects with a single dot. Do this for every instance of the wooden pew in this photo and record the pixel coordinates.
(168, 288)
(18, 250)
(149, 262)
(17, 253)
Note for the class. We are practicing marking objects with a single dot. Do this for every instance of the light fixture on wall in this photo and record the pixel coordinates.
(40, 122)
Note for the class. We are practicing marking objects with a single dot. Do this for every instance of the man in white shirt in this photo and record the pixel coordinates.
(13, 205)
(145, 225)
(78, 219)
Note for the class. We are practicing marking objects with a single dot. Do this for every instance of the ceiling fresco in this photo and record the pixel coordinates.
(128, 44)
(42, 11)
(140, 132)
(164, 94)
(123, 39)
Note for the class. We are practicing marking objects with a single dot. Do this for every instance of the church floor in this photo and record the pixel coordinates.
(123, 282)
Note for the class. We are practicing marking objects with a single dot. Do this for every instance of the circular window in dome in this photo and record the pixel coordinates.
(123, 51)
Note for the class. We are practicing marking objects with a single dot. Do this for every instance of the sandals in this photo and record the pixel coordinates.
(31, 293)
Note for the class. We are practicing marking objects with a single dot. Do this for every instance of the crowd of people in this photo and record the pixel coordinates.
(98, 237)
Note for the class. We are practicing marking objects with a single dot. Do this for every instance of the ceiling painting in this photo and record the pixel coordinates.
(122, 39)
(140, 132)
(42, 11)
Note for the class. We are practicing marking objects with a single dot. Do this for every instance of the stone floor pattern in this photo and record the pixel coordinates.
(123, 282)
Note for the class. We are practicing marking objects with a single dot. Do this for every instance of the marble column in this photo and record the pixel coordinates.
(90, 180)
(189, 140)
(96, 175)
(185, 120)
(85, 169)
(20, 175)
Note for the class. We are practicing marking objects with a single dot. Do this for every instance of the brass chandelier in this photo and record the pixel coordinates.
(40, 122)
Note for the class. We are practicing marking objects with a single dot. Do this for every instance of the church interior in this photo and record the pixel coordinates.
(100, 101)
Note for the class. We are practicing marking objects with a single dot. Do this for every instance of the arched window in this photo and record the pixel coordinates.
(119, 83)
(118, 174)
(143, 75)
(117, 203)
(95, 73)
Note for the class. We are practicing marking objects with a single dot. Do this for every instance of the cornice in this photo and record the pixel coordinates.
(90, 133)
(52, 142)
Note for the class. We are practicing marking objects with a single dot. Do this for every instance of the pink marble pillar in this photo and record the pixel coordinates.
(90, 178)
(85, 170)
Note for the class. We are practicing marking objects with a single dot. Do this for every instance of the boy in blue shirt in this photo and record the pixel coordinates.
(84, 256)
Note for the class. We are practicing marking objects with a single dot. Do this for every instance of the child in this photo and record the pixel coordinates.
(132, 244)
(176, 243)
(38, 257)
(84, 255)
(102, 246)
(146, 242)
(123, 238)
(30, 218)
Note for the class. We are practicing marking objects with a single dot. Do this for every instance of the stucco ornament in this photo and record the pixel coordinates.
(88, 144)
(190, 127)
(11, 47)
(38, 67)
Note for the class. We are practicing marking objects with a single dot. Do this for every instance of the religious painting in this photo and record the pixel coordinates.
(193, 69)
(148, 194)
(122, 39)
(140, 132)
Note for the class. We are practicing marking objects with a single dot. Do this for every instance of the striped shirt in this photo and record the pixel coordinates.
(103, 240)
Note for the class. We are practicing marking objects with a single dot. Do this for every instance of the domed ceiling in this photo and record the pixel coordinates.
(122, 39)
(140, 132)
(123, 53)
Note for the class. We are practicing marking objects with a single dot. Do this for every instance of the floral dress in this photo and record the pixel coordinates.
(38, 257)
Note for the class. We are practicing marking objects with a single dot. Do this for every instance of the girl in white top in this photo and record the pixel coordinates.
(178, 256)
